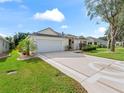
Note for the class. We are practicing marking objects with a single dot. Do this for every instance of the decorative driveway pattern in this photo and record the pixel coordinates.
(97, 75)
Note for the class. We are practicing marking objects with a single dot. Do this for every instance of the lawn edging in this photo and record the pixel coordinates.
(66, 70)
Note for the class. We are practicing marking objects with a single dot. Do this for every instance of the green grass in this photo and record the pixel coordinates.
(34, 76)
(103, 52)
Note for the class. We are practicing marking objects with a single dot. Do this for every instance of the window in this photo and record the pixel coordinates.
(89, 43)
(95, 43)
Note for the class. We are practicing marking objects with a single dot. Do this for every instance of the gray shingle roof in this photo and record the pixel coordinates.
(39, 33)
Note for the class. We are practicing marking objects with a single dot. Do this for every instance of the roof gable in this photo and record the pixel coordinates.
(49, 31)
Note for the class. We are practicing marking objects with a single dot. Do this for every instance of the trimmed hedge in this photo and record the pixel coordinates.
(89, 48)
(102, 46)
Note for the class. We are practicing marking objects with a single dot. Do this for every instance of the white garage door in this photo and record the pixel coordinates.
(44, 45)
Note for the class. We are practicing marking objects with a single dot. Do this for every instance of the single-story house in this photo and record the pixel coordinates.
(4, 45)
(95, 41)
(48, 40)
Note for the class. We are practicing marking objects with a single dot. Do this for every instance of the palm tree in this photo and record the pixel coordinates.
(26, 46)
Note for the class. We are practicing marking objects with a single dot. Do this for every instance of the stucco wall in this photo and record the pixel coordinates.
(1, 47)
(4, 46)
(76, 43)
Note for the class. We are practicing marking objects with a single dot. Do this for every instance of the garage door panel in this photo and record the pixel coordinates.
(44, 45)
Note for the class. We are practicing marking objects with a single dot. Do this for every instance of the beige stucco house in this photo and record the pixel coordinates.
(48, 40)
(4, 45)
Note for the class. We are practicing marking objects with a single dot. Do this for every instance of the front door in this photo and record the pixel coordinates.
(71, 44)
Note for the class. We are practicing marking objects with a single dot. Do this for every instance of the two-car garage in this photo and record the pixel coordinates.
(44, 45)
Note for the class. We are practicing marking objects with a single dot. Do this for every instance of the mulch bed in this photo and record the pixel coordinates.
(25, 57)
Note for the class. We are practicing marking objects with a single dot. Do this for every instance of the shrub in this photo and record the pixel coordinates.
(89, 48)
(102, 46)
(26, 46)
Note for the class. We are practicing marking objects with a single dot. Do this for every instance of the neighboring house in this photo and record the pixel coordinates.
(95, 41)
(48, 40)
(4, 45)
(120, 43)
(103, 43)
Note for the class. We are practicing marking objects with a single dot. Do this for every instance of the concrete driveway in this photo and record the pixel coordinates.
(97, 75)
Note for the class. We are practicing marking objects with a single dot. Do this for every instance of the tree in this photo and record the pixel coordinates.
(26, 46)
(108, 35)
(11, 42)
(19, 37)
(110, 11)
(120, 35)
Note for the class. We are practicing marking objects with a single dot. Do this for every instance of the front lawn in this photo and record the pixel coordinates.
(34, 76)
(103, 52)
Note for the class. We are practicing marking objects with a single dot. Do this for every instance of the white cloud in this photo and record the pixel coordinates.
(99, 32)
(98, 17)
(23, 7)
(102, 29)
(64, 26)
(82, 33)
(4, 1)
(3, 35)
(52, 15)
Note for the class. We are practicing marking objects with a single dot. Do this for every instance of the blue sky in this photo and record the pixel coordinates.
(34, 15)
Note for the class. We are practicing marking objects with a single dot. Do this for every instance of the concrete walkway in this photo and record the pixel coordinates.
(97, 75)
